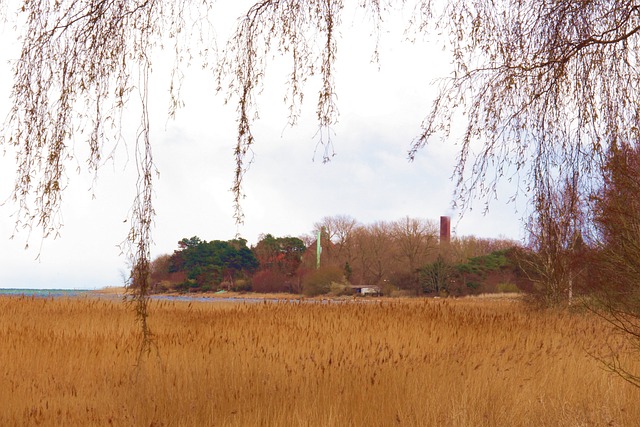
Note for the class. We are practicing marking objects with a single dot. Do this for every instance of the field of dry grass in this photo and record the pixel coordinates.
(469, 362)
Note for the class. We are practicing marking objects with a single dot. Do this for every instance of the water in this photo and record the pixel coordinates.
(220, 299)
(66, 293)
(43, 293)
(60, 293)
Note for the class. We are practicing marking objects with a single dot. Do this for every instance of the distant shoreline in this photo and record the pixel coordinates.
(120, 292)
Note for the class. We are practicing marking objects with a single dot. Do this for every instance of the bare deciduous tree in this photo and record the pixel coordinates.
(556, 230)
(415, 240)
(465, 247)
(373, 253)
(338, 231)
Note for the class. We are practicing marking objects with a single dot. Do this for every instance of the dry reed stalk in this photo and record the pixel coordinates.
(426, 362)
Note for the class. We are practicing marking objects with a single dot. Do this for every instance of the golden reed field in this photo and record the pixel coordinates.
(467, 362)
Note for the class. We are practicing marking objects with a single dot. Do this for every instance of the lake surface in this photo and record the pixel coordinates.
(43, 293)
(68, 293)
(62, 293)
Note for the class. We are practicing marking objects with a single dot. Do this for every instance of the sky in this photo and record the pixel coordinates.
(288, 188)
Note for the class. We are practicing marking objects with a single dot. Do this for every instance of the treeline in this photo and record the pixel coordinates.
(204, 266)
(396, 257)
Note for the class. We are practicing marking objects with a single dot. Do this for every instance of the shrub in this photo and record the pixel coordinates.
(389, 289)
(242, 285)
(319, 281)
(404, 280)
(436, 277)
(161, 287)
(340, 289)
(185, 286)
(505, 288)
(473, 285)
(269, 281)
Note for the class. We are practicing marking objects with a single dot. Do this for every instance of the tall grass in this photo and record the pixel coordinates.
(430, 362)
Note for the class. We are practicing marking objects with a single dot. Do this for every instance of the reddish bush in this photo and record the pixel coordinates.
(269, 281)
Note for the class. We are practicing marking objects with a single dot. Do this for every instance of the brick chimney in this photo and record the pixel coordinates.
(445, 230)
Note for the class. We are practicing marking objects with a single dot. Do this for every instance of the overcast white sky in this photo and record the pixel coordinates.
(287, 191)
